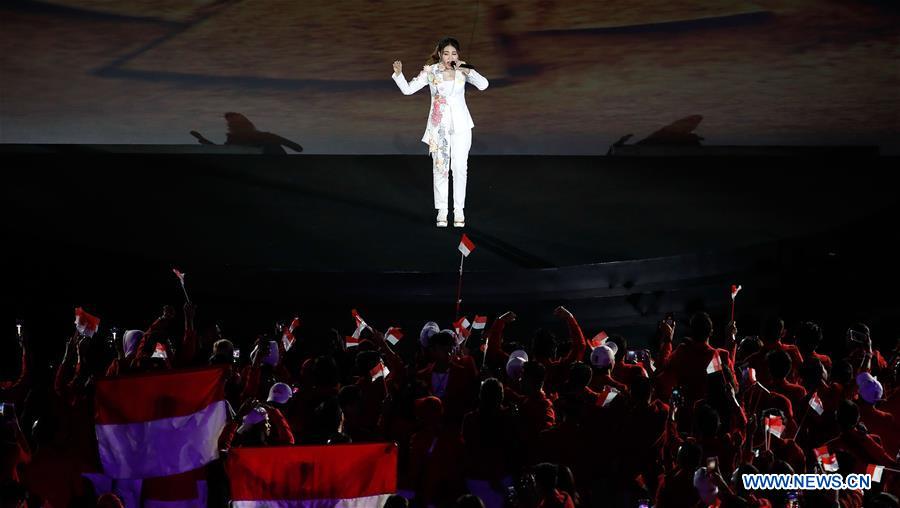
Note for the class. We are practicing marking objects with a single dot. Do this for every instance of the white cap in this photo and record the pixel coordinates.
(270, 359)
(706, 489)
(604, 356)
(280, 393)
(870, 389)
(130, 341)
(428, 330)
(516, 364)
(256, 415)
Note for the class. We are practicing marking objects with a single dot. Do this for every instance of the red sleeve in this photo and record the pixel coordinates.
(579, 344)
(251, 375)
(665, 353)
(281, 431)
(495, 337)
(189, 346)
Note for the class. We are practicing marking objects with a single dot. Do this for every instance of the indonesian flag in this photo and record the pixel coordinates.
(393, 335)
(466, 246)
(287, 334)
(774, 425)
(715, 365)
(735, 289)
(829, 462)
(479, 322)
(379, 370)
(85, 323)
(345, 475)
(159, 424)
(159, 351)
(352, 341)
(816, 404)
(876, 472)
(598, 339)
(178, 273)
(462, 327)
(607, 394)
(360, 323)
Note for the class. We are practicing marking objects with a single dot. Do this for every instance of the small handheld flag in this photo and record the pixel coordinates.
(85, 323)
(466, 246)
(379, 371)
(599, 339)
(393, 335)
(875, 471)
(774, 425)
(816, 404)
(479, 322)
(715, 365)
(178, 273)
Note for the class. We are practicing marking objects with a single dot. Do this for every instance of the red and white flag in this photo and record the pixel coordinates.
(159, 351)
(750, 375)
(287, 334)
(735, 289)
(346, 475)
(159, 424)
(466, 246)
(876, 472)
(774, 425)
(178, 273)
(606, 395)
(379, 371)
(393, 335)
(352, 341)
(598, 339)
(85, 323)
(816, 404)
(826, 459)
(360, 323)
(461, 326)
(715, 365)
(479, 322)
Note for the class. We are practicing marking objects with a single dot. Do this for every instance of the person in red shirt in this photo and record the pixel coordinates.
(623, 370)
(854, 440)
(676, 488)
(773, 332)
(688, 365)
(779, 366)
(489, 448)
(435, 467)
(809, 336)
(546, 484)
(881, 423)
(603, 361)
(451, 378)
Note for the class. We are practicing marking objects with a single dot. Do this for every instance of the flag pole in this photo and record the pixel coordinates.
(186, 297)
(462, 259)
(802, 419)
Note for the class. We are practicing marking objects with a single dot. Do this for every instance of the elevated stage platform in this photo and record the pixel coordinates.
(628, 237)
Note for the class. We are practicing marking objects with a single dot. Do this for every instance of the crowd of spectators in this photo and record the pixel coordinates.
(486, 419)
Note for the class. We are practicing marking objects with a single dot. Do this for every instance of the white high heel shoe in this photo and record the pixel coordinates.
(459, 218)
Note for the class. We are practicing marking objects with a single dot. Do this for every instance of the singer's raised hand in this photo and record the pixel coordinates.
(464, 70)
(398, 67)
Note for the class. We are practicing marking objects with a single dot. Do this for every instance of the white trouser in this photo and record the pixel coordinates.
(460, 142)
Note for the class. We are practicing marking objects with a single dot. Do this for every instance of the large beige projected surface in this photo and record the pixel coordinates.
(567, 77)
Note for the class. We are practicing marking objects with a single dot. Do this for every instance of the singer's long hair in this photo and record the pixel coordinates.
(443, 43)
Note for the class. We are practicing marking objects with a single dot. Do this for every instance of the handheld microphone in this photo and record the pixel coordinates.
(463, 66)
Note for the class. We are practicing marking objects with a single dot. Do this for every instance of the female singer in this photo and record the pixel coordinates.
(448, 131)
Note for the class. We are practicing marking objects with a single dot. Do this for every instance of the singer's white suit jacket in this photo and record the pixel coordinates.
(452, 90)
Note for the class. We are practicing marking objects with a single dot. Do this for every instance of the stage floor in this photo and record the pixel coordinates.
(375, 213)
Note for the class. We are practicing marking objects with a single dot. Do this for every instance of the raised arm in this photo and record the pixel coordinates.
(579, 344)
(413, 86)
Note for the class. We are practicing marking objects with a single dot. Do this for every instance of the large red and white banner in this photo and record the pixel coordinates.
(160, 424)
(351, 475)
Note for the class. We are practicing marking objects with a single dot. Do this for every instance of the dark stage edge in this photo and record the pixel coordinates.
(623, 239)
